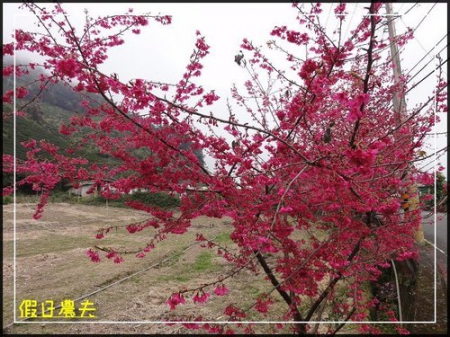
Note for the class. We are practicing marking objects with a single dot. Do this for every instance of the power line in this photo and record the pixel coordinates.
(423, 79)
(351, 19)
(417, 73)
(403, 4)
(421, 69)
(411, 8)
(434, 47)
(328, 16)
(424, 17)
(428, 53)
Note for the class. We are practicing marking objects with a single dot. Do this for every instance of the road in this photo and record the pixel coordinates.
(441, 230)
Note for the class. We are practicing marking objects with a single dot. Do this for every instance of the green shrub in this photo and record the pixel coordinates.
(162, 200)
(7, 200)
(22, 198)
(61, 196)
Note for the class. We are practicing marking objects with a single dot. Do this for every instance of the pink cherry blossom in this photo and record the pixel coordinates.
(221, 290)
(175, 300)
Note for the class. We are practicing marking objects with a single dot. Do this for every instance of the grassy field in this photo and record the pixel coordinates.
(51, 264)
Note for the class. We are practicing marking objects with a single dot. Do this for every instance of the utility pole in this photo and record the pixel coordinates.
(400, 113)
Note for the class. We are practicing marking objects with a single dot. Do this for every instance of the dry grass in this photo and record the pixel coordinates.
(52, 265)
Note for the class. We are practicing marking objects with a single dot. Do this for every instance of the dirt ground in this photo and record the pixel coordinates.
(51, 264)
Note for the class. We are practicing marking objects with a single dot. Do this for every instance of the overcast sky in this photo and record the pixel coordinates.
(161, 53)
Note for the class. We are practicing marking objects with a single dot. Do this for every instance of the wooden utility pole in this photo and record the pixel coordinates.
(400, 113)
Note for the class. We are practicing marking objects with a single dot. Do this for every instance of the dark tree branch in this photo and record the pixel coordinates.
(350, 314)
(369, 67)
(332, 283)
(283, 294)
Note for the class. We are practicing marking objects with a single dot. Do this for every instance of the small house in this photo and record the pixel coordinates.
(82, 188)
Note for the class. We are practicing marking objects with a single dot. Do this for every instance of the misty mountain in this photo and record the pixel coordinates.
(55, 106)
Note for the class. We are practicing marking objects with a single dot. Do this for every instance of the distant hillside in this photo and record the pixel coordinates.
(34, 128)
(45, 127)
(57, 94)
(55, 106)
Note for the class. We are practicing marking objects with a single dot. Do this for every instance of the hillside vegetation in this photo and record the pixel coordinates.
(44, 116)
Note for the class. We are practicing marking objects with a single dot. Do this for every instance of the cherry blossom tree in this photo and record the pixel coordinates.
(312, 184)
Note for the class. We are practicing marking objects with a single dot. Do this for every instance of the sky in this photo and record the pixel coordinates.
(161, 53)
